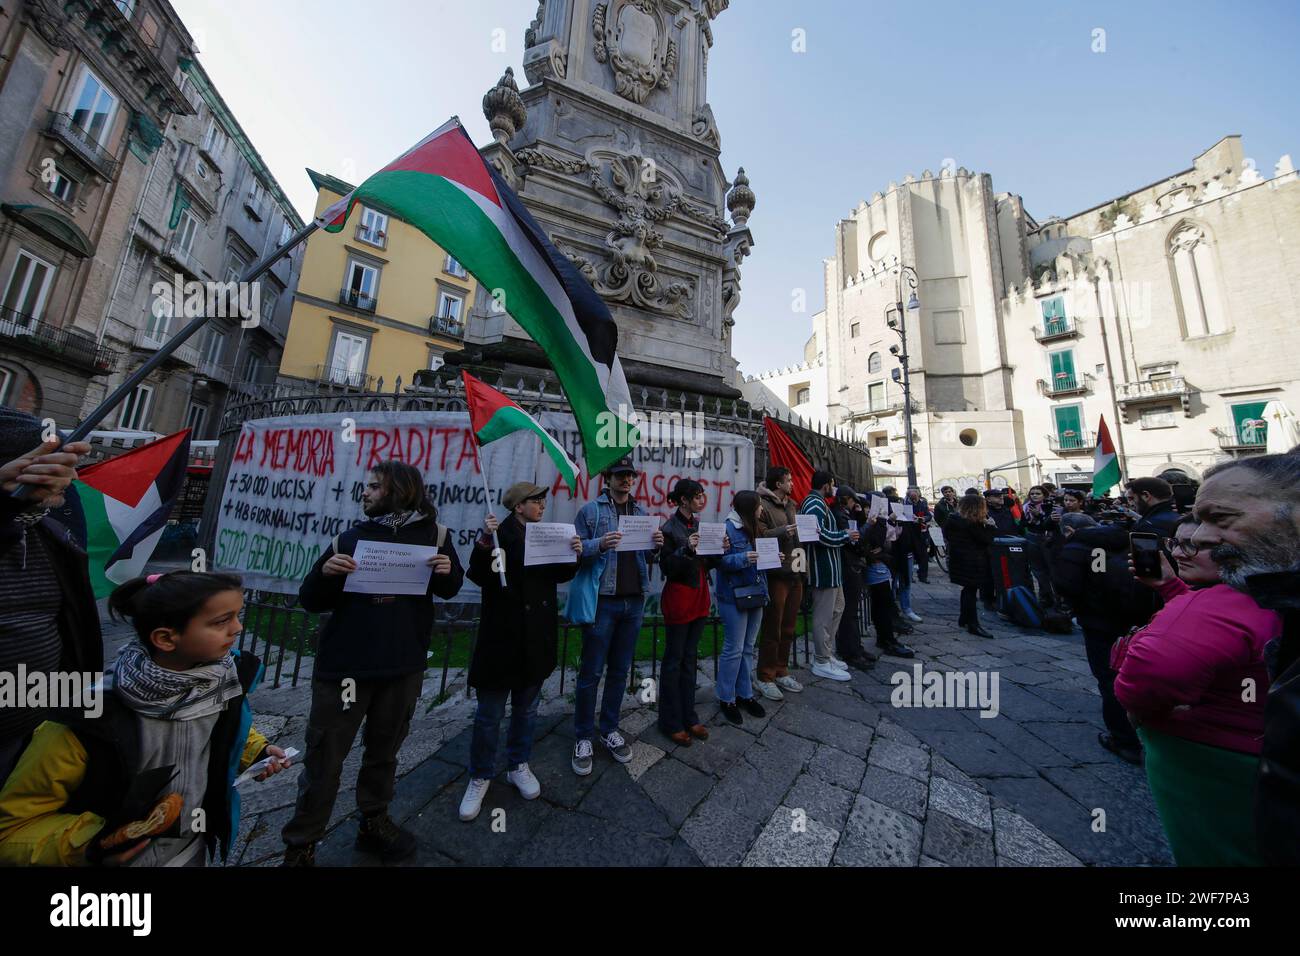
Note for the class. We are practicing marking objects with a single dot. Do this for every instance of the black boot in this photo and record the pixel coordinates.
(385, 839)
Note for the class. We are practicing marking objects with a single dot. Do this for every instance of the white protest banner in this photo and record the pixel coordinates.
(296, 481)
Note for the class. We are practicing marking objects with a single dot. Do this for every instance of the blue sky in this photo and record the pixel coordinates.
(1009, 88)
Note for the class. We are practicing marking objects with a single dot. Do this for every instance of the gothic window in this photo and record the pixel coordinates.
(1196, 282)
(873, 362)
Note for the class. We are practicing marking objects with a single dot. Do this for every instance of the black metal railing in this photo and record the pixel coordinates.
(64, 128)
(1065, 383)
(1069, 441)
(283, 635)
(446, 325)
(358, 300)
(77, 348)
(1057, 328)
(329, 375)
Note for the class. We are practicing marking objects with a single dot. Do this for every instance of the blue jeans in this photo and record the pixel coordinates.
(740, 629)
(607, 646)
(487, 729)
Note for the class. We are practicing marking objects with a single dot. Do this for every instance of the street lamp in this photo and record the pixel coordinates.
(895, 319)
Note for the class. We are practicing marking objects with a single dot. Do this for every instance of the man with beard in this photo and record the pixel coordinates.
(1249, 514)
(370, 664)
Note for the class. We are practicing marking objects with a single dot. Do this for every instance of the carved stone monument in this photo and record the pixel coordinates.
(614, 149)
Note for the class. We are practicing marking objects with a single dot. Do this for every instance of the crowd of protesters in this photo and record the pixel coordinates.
(1197, 665)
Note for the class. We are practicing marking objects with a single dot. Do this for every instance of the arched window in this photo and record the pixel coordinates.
(803, 396)
(1196, 281)
(873, 362)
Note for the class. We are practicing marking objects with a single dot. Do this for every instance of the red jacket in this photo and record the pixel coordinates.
(1185, 673)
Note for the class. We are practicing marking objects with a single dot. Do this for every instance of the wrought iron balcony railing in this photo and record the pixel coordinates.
(358, 300)
(1055, 329)
(63, 128)
(1070, 441)
(18, 330)
(1064, 383)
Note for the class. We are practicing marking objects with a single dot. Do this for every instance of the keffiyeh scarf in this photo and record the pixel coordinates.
(155, 691)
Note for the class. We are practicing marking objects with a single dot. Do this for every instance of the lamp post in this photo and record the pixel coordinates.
(895, 318)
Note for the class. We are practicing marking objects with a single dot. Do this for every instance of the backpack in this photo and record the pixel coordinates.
(1022, 607)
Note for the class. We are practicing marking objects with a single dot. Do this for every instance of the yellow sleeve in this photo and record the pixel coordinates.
(252, 747)
(32, 830)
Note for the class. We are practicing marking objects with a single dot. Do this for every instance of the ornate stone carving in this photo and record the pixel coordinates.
(504, 108)
(50, 22)
(530, 35)
(632, 37)
(537, 158)
(741, 199)
(705, 128)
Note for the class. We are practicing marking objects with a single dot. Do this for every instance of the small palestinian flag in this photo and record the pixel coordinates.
(127, 500)
(443, 187)
(493, 416)
(1105, 463)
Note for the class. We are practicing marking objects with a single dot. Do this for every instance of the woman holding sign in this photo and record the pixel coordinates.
(516, 647)
(685, 604)
(742, 595)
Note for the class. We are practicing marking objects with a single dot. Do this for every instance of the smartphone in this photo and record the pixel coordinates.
(1145, 550)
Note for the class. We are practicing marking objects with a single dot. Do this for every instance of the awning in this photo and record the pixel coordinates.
(1283, 432)
(48, 224)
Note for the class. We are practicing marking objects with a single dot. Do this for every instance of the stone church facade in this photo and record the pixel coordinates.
(1170, 311)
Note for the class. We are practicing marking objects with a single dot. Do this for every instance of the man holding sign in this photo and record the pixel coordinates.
(609, 642)
(371, 659)
(826, 577)
(516, 648)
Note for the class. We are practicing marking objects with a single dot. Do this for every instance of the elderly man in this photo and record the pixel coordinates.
(1249, 513)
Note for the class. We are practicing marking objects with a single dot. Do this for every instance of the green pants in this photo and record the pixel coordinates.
(1205, 796)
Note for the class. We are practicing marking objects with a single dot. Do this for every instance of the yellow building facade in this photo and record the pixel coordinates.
(379, 300)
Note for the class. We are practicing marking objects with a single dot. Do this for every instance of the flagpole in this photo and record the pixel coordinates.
(487, 496)
(115, 398)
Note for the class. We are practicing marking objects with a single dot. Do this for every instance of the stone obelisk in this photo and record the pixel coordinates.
(614, 149)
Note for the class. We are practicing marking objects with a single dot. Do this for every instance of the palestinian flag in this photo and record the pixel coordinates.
(127, 500)
(443, 187)
(1105, 463)
(493, 416)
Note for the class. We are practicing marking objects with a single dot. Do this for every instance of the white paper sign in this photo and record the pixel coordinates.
(769, 554)
(809, 530)
(879, 506)
(903, 512)
(549, 542)
(712, 536)
(637, 531)
(384, 568)
(853, 525)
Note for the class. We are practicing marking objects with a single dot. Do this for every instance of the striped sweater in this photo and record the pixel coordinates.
(825, 565)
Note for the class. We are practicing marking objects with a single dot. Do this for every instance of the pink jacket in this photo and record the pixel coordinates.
(1184, 673)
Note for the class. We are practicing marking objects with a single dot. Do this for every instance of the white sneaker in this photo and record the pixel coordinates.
(472, 802)
(829, 673)
(838, 664)
(523, 778)
(789, 683)
(769, 690)
(912, 616)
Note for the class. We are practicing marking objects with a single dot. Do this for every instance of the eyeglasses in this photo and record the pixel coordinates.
(1185, 545)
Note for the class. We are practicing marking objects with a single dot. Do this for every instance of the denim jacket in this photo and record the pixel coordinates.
(735, 571)
(595, 520)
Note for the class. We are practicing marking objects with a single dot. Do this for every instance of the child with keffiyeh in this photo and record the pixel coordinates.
(176, 712)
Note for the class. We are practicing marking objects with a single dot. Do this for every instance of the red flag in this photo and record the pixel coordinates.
(782, 451)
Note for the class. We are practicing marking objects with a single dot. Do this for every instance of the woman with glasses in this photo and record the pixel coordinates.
(1194, 683)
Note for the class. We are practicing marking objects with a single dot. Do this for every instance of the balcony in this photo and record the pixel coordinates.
(330, 375)
(1063, 383)
(213, 370)
(1242, 440)
(357, 300)
(76, 348)
(149, 340)
(1056, 329)
(372, 237)
(62, 127)
(181, 258)
(1072, 443)
(1154, 390)
(256, 206)
(446, 325)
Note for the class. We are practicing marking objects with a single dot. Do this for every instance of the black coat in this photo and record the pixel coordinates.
(1161, 520)
(1105, 602)
(678, 563)
(1006, 522)
(374, 635)
(78, 619)
(516, 646)
(1277, 794)
(968, 550)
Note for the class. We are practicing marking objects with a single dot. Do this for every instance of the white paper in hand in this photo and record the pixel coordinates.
(384, 568)
(638, 532)
(255, 769)
(548, 542)
(808, 528)
(712, 535)
(769, 554)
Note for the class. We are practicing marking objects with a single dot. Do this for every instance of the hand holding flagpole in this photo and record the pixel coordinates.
(487, 496)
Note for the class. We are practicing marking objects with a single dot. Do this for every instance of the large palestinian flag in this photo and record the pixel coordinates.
(492, 416)
(443, 187)
(127, 500)
(782, 451)
(1105, 463)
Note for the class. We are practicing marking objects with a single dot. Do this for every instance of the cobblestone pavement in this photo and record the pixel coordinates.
(833, 776)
